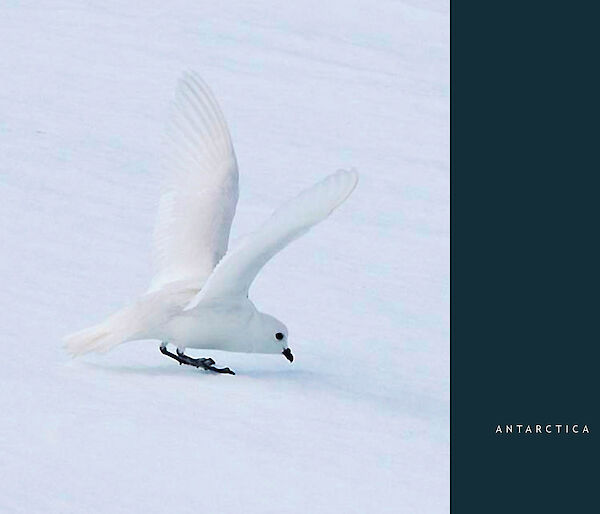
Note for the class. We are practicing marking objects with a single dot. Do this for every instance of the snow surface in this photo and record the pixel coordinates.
(359, 423)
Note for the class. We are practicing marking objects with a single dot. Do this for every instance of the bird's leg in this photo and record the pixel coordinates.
(204, 363)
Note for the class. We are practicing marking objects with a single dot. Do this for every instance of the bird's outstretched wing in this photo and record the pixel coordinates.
(234, 274)
(201, 191)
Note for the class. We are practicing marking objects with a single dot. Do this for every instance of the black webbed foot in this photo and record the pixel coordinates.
(204, 363)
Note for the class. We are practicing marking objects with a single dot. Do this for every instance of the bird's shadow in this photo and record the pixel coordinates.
(293, 374)
(294, 377)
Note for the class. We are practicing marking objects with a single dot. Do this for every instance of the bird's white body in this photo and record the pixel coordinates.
(198, 297)
(233, 324)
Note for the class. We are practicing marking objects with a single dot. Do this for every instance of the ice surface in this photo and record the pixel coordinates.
(359, 422)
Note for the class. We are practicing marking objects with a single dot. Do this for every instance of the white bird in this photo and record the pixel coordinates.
(199, 295)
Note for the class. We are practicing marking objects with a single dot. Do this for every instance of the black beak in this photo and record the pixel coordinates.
(288, 354)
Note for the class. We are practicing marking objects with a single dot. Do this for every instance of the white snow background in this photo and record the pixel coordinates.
(359, 423)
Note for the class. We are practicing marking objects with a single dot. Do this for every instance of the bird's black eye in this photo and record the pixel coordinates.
(279, 336)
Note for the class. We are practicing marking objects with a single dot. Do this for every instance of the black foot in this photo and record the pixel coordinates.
(203, 363)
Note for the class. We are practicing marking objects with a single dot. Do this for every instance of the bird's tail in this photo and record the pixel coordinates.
(100, 338)
(139, 320)
(94, 339)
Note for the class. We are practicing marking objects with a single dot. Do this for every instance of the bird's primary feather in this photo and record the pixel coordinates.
(198, 202)
(236, 271)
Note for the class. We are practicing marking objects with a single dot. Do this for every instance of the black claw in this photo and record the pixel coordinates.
(204, 363)
(221, 370)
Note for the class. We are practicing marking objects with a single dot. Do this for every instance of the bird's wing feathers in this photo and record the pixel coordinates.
(234, 274)
(201, 191)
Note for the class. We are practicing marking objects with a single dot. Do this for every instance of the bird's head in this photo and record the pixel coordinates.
(273, 337)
